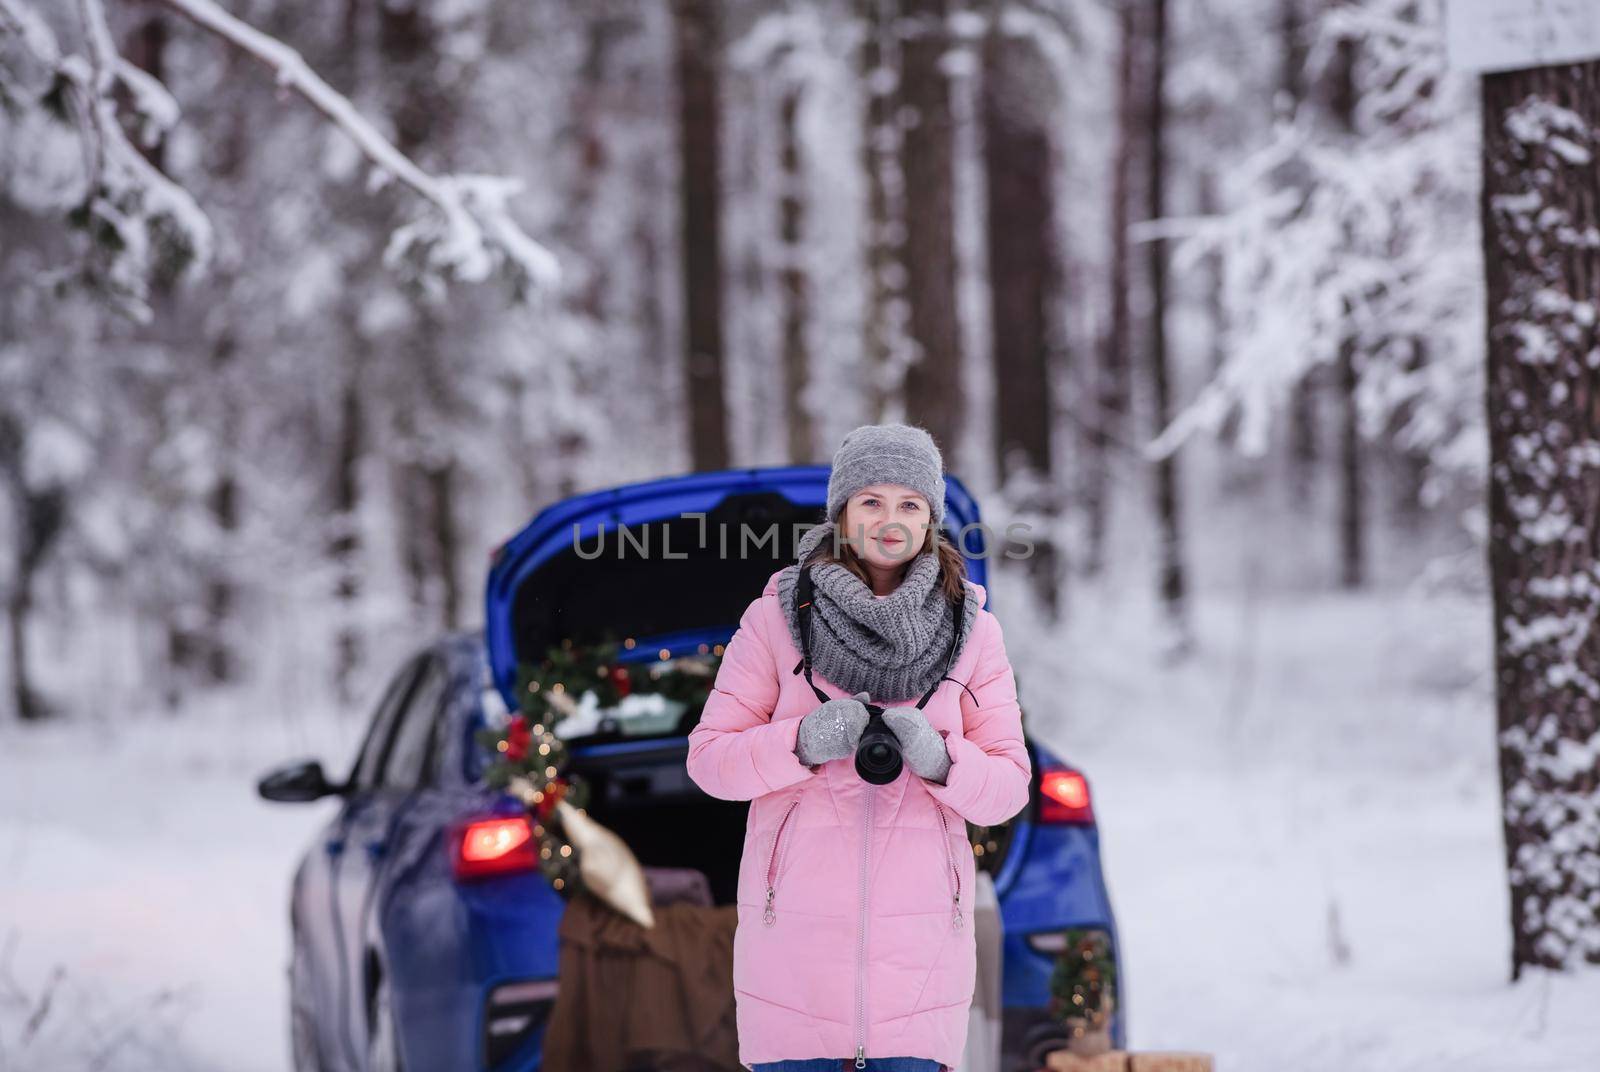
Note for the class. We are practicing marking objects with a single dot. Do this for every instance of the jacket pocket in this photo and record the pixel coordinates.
(951, 869)
(775, 858)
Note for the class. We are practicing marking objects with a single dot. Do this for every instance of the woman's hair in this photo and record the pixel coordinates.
(952, 566)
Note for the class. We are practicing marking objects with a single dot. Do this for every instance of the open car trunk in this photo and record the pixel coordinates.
(670, 563)
(648, 799)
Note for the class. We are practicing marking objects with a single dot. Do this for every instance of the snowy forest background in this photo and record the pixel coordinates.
(1197, 291)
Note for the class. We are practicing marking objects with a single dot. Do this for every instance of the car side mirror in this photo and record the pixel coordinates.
(297, 783)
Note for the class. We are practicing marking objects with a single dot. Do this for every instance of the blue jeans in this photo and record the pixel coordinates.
(831, 1064)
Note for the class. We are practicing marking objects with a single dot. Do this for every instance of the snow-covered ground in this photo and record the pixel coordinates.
(1301, 836)
(144, 890)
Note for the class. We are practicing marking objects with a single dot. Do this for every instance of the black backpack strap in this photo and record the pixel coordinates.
(950, 657)
(802, 609)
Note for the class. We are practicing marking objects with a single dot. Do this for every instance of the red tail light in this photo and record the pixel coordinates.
(1064, 798)
(495, 847)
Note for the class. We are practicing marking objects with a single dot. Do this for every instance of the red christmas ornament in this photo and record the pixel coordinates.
(518, 738)
(553, 793)
(620, 679)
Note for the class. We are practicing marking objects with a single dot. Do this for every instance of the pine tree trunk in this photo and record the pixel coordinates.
(19, 611)
(409, 501)
(1352, 491)
(880, 148)
(1352, 494)
(345, 547)
(442, 478)
(697, 29)
(1541, 210)
(1019, 105)
(1414, 462)
(933, 387)
(793, 285)
(39, 517)
(189, 641)
(423, 114)
(1113, 383)
(349, 438)
(221, 594)
(1303, 423)
(1171, 585)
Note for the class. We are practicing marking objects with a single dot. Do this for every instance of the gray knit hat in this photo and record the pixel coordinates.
(888, 454)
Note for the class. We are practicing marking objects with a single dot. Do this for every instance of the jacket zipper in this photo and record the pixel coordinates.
(955, 920)
(861, 943)
(770, 915)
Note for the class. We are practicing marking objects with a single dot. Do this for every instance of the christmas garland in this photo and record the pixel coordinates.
(529, 760)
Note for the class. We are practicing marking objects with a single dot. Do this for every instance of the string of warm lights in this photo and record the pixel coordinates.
(1082, 984)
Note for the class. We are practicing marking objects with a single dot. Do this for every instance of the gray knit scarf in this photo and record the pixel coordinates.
(892, 648)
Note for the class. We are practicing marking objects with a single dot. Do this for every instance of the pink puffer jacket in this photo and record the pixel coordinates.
(854, 930)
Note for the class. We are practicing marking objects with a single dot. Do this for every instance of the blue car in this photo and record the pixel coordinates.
(415, 950)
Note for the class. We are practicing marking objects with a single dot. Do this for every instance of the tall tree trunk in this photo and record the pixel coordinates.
(793, 286)
(885, 340)
(39, 517)
(1303, 424)
(345, 547)
(699, 60)
(423, 111)
(1210, 204)
(1020, 102)
(349, 438)
(1411, 489)
(224, 500)
(1541, 204)
(428, 485)
(1108, 412)
(1352, 492)
(224, 504)
(187, 641)
(1171, 583)
(933, 387)
(651, 314)
(410, 502)
(442, 477)
(25, 701)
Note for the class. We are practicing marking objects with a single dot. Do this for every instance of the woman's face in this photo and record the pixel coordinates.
(887, 524)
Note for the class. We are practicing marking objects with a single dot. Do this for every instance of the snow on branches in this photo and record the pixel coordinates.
(140, 223)
(1367, 235)
(143, 226)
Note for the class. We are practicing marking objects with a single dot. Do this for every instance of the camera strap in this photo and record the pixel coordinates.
(803, 594)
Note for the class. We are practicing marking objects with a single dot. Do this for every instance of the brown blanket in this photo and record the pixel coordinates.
(631, 998)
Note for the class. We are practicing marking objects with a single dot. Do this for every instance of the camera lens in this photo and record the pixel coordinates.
(878, 752)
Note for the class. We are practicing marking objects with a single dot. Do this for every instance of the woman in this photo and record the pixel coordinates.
(854, 938)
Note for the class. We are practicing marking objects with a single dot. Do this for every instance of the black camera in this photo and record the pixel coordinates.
(878, 751)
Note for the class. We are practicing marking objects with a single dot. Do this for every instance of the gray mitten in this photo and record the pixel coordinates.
(832, 731)
(921, 747)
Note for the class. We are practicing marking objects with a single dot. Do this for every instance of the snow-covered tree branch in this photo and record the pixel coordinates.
(142, 225)
(1369, 239)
